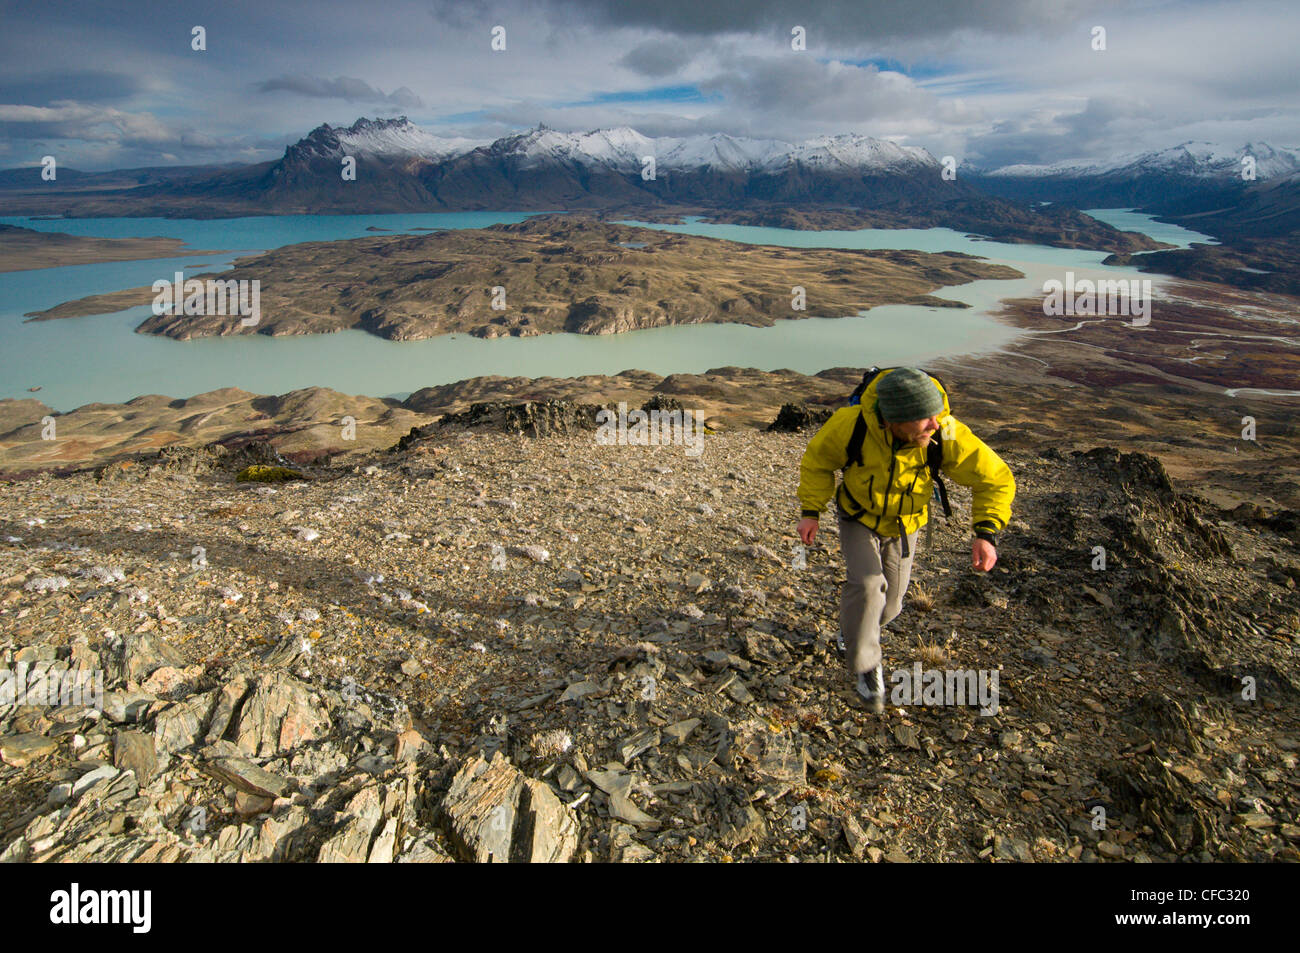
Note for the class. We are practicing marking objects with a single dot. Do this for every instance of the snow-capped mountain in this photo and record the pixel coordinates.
(384, 138)
(1161, 180)
(619, 149)
(1205, 160)
(399, 167)
(856, 152)
(401, 137)
(624, 149)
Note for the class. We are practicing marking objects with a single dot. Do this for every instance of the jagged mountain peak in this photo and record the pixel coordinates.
(396, 137)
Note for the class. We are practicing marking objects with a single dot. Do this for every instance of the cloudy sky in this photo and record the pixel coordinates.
(106, 84)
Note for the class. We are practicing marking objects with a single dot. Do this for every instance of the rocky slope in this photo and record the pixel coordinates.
(485, 645)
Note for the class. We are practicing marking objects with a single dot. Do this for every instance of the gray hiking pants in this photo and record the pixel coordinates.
(872, 594)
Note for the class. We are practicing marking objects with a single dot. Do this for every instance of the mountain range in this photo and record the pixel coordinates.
(838, 181)
(620, 149)
(402, 168)
(1160, 179)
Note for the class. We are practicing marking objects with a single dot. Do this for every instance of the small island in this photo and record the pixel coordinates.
(550, 274)
(25, 249)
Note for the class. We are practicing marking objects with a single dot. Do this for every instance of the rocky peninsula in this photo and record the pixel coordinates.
(550, 274)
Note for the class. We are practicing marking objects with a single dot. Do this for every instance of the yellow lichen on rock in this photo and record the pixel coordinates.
(265, 474)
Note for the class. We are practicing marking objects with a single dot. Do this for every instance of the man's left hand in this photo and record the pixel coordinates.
(983, 555)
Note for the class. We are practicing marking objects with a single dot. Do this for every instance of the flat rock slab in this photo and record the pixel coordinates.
(122, 707)
(580, 690)
(907, 736)
(21, 750)
(245, 776)
(611, 781)
(621, 808)
(681, 730)
(134, 751)
(89, 780)
(638, 743)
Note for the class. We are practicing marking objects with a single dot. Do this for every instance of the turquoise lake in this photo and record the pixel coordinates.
(99, 358)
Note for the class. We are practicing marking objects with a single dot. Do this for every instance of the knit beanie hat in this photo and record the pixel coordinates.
(908, 394)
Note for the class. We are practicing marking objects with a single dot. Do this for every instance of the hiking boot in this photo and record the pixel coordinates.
(871, 686)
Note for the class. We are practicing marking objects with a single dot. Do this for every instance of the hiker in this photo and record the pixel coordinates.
(883, 500)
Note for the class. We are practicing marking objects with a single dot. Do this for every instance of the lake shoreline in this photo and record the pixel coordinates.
(24, 249)
(946, 330)
(555, 274)
(1069, 389)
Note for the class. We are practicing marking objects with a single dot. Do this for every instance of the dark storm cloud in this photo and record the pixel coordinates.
(86, 86)
(1103, 116)
(661, 57)
(341, 87)
(117, 84)
(1010, 142)
(833, 21)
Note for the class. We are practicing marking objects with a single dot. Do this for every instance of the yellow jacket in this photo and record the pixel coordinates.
(893, 484)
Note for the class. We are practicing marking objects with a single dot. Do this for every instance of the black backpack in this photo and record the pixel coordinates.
(933, 454)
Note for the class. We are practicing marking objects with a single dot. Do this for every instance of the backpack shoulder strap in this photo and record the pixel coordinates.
(934, 457)
(856, 440)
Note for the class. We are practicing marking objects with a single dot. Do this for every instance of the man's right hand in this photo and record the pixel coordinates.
(807, 529)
